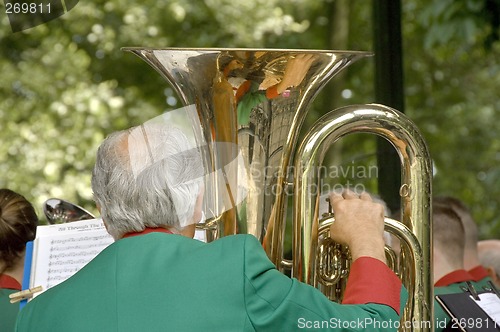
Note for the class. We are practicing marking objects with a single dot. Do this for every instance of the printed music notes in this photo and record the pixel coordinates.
(490, 303)
(60, 250)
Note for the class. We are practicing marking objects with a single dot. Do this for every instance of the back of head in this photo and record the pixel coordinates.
(448, 234)
(18, 221)
(147, 176)
(489, 254)
(470, 228)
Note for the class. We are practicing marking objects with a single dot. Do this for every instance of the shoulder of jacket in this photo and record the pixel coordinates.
(238, 240)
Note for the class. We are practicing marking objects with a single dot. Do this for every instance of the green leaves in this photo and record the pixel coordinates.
(66, 84)
(463, 21)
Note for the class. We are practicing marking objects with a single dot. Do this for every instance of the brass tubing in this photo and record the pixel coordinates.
(415, 192)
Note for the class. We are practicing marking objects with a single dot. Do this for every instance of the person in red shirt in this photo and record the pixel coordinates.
(471, 257)
(448, 238)
(450, 275)
(18, 221)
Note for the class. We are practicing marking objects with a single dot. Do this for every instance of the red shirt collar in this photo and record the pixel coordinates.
(478, 273)
(8, 282)
(147, 231)
(453, 278)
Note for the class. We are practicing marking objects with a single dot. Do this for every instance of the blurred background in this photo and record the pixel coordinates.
(66, 84)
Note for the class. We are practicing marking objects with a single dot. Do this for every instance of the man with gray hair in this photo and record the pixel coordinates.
(148, 185)
(148, 177)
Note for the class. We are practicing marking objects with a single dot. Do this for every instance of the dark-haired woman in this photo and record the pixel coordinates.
(18, 221)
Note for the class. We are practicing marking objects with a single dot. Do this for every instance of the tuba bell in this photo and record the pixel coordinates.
(59, 211)
(246, 108)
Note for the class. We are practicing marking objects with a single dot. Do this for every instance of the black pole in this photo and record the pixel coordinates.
(387, 44)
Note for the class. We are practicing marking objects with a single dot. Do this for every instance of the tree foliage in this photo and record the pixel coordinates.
(66, 84)
(450, 82)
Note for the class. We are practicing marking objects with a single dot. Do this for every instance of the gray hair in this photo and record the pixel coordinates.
(489, 254)
(491, 258)
(147, 176)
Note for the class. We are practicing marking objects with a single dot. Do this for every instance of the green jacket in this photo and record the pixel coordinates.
(165, 282)
(8, 311)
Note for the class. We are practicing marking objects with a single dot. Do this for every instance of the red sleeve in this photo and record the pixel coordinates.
(371, 281)
(242, 89)
(272, 92)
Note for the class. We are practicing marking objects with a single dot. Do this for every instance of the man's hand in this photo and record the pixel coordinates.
(359, 223)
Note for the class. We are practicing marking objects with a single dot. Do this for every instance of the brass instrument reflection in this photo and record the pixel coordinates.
(238, 88)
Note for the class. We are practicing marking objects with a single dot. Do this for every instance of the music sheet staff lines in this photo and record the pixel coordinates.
(67, 255)
(62, 251)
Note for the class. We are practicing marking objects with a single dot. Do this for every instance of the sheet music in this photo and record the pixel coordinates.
(490, 303)
(68, 228)
(61, 250)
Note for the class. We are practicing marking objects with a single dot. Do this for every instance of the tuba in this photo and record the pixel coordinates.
(246, 108)
(324, 264)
